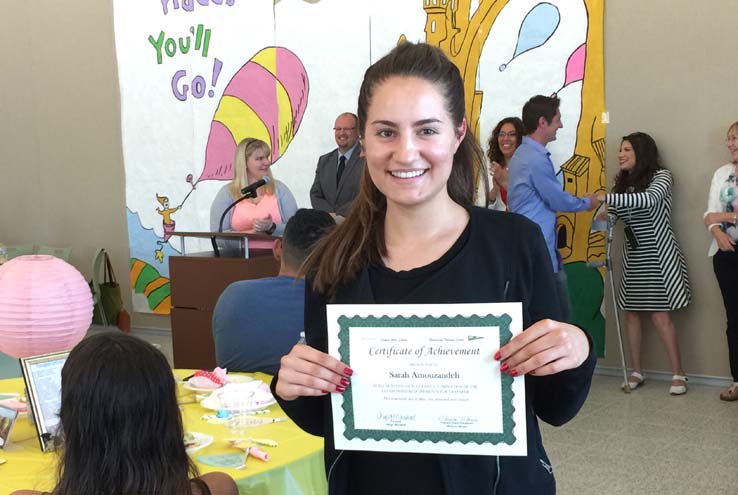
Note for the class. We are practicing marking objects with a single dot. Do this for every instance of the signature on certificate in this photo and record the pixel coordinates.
(395, 418)
(457, 422)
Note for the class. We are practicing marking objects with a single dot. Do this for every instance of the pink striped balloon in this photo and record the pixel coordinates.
(265, 99)
(45, 306)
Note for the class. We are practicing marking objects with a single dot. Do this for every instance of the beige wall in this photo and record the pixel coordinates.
(62, 181)
(669, 71)
(61, 165)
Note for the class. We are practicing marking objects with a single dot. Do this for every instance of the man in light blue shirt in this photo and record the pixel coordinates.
(533, 189)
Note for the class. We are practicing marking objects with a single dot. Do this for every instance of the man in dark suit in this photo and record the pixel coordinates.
(337, 175)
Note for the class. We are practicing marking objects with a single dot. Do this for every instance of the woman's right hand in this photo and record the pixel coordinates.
(494, 169)
(306, 371)
(707, 220)
(263, 224)
(724, 241)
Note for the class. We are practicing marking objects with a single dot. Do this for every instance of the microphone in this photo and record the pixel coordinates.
(250, 190)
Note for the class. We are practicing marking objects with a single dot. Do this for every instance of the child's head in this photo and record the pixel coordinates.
(121, 428)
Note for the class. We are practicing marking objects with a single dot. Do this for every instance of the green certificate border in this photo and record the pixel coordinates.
(352, 432)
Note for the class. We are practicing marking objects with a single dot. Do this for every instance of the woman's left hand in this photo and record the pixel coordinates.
(545, 348)
(494, 169)
(498, 174)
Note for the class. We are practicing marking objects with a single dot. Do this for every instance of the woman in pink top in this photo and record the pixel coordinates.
(273, 205)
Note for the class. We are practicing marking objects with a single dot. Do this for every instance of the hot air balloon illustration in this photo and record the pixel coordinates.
(265, 99)
(537, 27)
(575, 66)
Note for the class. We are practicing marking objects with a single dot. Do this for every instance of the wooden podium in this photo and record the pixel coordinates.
(197, 280)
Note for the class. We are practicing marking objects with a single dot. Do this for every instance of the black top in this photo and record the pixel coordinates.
(391, 287)
(504, 259)
(373, 472)
(204, 488)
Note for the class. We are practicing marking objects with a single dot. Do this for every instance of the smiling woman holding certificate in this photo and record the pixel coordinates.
(414, 238)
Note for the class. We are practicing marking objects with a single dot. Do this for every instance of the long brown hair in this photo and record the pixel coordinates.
(647, 164)
(359, 240)
(494, 153)
(121, 429)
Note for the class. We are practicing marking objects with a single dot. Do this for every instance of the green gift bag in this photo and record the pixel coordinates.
(108, 299)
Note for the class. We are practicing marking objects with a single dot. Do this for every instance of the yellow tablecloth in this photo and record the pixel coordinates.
(294, 467)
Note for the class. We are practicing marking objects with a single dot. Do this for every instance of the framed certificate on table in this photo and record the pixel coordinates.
(7, 420)
(42, 376)
(425, 379)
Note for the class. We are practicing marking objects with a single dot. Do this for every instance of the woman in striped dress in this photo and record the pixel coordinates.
(654, 271)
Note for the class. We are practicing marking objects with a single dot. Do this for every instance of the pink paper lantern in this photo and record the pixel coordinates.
(45, 306)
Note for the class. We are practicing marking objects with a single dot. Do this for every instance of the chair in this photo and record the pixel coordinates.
(60, 252)
(97, 273)
(9, 367)
(21, 250)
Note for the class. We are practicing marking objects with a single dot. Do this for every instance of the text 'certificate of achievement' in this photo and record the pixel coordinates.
(425, 379)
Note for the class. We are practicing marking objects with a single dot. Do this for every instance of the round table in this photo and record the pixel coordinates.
(294, 467)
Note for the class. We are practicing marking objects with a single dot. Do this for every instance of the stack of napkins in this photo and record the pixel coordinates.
(12, 401)
(209, 379)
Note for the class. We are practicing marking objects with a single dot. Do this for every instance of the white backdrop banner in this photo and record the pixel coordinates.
(197, 76)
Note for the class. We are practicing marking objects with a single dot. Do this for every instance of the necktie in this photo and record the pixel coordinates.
(341, 166)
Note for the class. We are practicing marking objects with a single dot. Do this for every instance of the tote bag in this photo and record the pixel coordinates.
(111, 301)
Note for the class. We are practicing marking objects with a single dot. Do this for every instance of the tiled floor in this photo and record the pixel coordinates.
(647, 442)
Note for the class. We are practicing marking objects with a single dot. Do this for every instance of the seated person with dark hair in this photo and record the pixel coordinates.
(256, 322)
(120, 426)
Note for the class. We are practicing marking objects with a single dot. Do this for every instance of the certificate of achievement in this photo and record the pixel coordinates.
(425, 379)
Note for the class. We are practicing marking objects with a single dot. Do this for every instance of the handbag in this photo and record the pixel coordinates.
(111, 301)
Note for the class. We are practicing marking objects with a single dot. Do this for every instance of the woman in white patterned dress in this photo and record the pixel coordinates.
(721, 219)
(654, 271)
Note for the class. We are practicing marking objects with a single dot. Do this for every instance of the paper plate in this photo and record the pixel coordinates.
(199, 441)
(262, 398)
(230, 378)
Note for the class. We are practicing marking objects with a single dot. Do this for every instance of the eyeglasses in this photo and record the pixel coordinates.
(507, 134)
(344, 129)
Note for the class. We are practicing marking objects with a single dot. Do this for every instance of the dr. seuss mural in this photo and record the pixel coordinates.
(197, 76)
